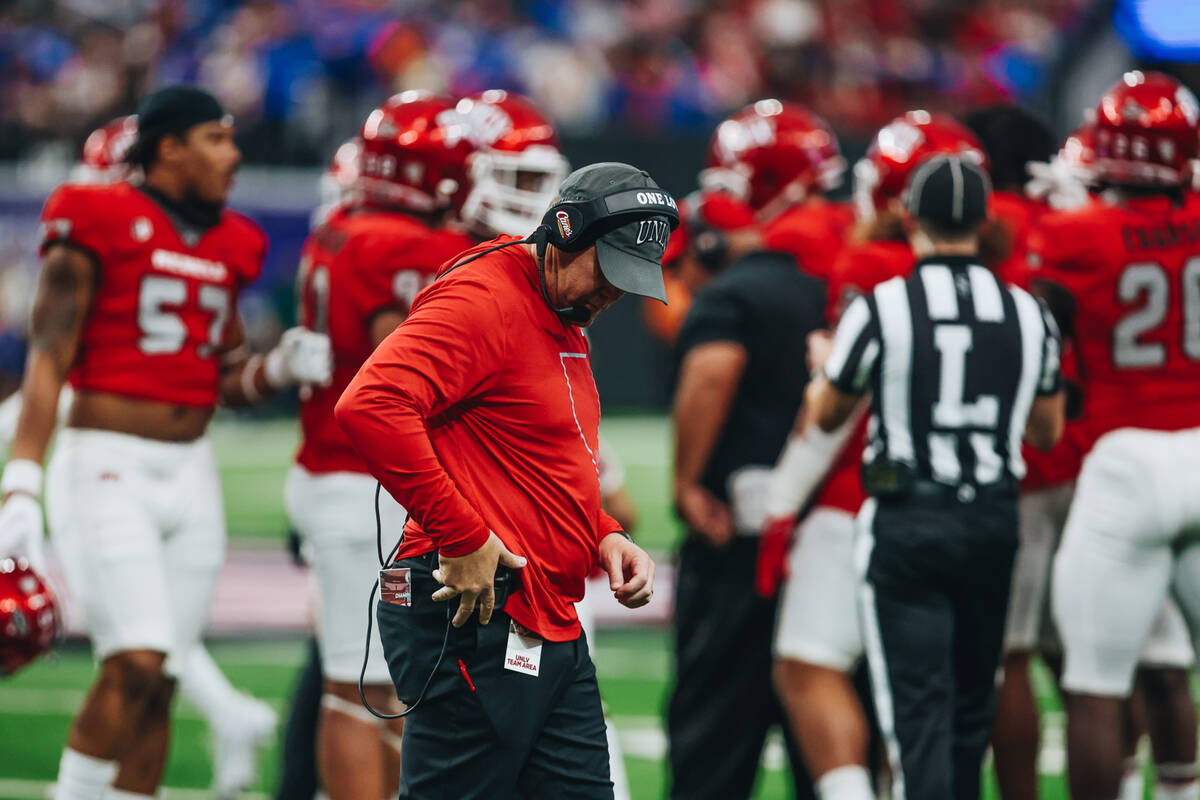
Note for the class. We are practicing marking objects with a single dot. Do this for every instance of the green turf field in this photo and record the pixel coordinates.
(634, 665)
(255, 454)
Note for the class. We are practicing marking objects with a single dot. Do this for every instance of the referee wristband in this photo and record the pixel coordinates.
(22, 475)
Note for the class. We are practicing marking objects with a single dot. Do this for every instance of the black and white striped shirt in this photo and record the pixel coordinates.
(953, 360)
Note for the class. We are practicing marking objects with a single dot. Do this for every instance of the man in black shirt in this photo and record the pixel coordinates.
(960, 368)
(737, 395)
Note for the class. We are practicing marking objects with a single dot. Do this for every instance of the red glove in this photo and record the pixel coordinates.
(773, 546)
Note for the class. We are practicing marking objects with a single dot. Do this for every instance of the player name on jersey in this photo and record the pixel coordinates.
(189, 266)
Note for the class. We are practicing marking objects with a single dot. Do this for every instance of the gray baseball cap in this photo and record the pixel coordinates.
(629, 245)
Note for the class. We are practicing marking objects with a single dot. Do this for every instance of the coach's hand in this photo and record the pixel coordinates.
(630, 570)
(472, 578)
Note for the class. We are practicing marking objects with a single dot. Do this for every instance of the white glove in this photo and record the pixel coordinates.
(21, 530)
(1058, 183)
(302, 356)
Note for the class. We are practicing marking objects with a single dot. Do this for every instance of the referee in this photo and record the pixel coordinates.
(959, 368)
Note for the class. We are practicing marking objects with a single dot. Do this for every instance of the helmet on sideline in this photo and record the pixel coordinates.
(517, 165)
(898, 147)
(771, 150)
(29, 619)
(1146, 131)
(414, 154)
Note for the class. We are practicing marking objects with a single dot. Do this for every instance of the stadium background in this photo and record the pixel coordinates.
(643, 81)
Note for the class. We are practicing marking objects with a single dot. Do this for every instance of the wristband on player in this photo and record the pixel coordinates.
(249, 390)
(802, 466)
(22, 475)
(275, 368)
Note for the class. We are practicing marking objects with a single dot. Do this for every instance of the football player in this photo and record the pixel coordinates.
(240, 724)
(359, 274)
(1122, 276)
(516, 167)
(136, 307)
(1015, 141)
(779, 159)
(817, 641)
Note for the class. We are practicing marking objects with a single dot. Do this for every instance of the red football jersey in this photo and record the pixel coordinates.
(164, 303)
(812, 234)
(356, 265)
(857, 270)
(1061, 464)
(1019, 215)
(1133, 269)
(480, 413)
(860, 267)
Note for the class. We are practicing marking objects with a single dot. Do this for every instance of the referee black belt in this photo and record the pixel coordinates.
(932, 493)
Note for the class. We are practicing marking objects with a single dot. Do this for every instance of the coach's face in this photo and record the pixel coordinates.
(574, 279)
(209, 160)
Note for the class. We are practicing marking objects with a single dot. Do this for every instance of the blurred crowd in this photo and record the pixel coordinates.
(299, 74)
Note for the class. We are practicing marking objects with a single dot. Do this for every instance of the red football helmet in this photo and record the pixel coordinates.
(703, 211)
(103, 157)
(339, 182)
(414, 153)
(896, 150)
(772, 150)
(1146, 131)
(1078, 151)
(28, 615)
(517, 165)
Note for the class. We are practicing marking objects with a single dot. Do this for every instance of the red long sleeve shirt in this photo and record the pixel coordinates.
(480, 413)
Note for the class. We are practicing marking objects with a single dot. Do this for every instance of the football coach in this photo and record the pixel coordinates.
(479, 414)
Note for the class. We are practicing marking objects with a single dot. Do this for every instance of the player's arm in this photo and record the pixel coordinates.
(64, 294)
(708, 381)
(1046, 421)
(302, 356)
(806, 460)
(382, 323)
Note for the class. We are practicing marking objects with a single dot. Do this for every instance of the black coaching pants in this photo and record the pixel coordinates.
(483, 732)
(723, 702)
(933, 606)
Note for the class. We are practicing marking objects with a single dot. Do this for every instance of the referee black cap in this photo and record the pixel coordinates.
(949, 193)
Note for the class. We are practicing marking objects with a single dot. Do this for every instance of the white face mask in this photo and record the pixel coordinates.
(496, 205)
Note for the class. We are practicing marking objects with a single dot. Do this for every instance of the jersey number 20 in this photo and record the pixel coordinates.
(1149, 283)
